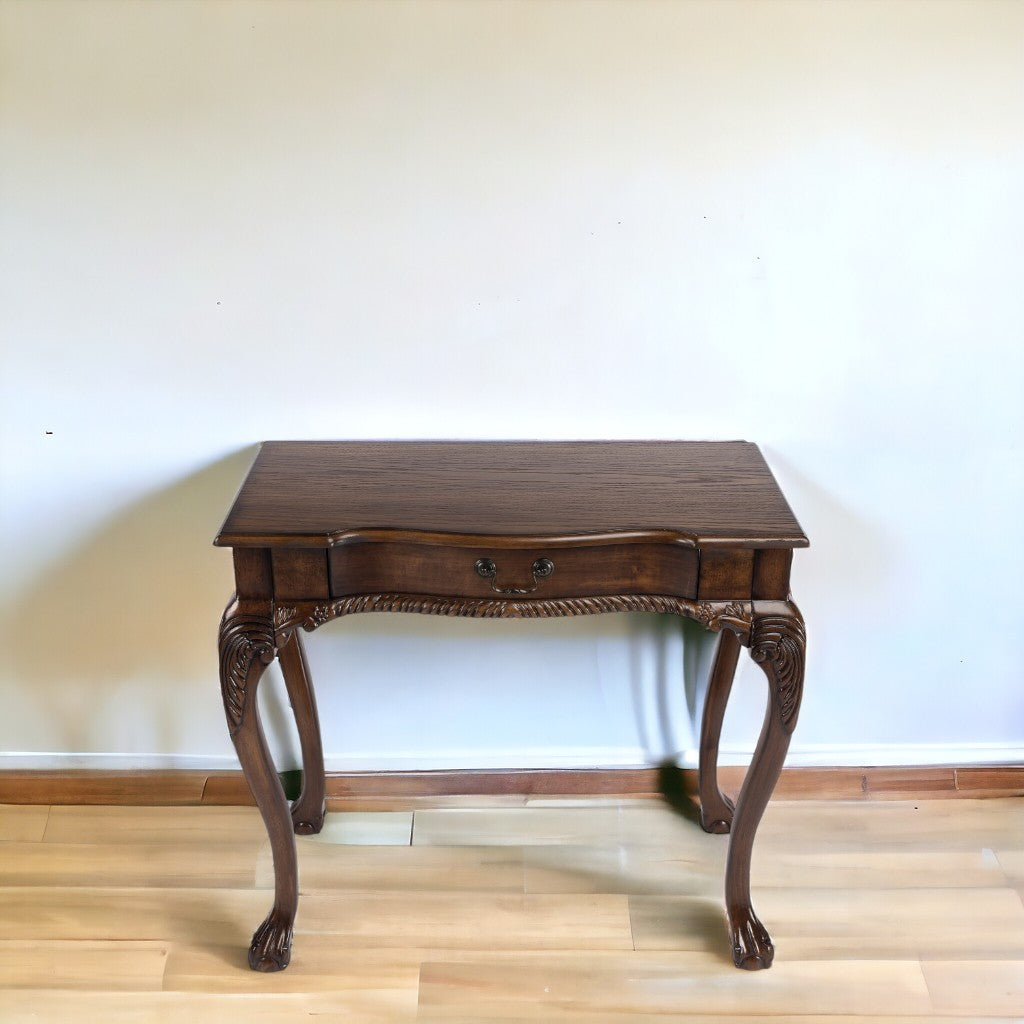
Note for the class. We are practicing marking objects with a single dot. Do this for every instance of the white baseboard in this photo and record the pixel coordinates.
(807, 756)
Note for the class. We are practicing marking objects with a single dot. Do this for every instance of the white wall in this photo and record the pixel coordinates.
(795, 223)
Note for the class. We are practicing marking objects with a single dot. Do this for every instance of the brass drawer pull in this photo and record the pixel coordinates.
(541, 569)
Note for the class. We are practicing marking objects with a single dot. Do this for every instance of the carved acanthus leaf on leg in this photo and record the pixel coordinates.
(246, 636)
(777, 643)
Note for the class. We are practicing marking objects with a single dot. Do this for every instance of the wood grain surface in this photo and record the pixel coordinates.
(318, 493)
(228, 788)
(584, 910)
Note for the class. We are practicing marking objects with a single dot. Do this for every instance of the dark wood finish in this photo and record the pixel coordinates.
(247, 646)
(378, 567)
(308, 809)
(181, 787)
(726, 574)
(716, 809)
(299, 573)
(92, 786)
(771, 574)
(311, 493)
(510, 529)
(996, 780)
(777, 644)
(253, 575)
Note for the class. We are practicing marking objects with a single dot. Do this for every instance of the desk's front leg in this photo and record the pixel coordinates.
(777, 644)
(246, 648)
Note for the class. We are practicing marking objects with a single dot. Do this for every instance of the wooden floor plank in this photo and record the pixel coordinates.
(154, 825)
(800, 826)
(983, 987)
(83, 964)
(515, 826)
(880, 869)
(55, 1007)
(642, 823)
(652, 870)
(814, 826)
(224, 917)
(22, 824)
(623, 869)
(401, 868)
(576, 991)
(1012, 863)
(496, 921)
(201, 916)
(173, 864)
(328, 964)
(513, 912)
(367, 828)
(510, 1015)
(855, 923)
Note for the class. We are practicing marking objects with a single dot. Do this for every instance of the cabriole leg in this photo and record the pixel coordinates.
(246, 648)
(716, 809)
(777, 644)
(308, 809)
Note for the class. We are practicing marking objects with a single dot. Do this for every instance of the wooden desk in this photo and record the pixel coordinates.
(510, 529)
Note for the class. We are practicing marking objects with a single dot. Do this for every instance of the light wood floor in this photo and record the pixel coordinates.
(492, 912)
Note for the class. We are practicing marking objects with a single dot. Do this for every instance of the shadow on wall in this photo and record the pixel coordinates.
(137, 602)
(699, 646)
(670, 657)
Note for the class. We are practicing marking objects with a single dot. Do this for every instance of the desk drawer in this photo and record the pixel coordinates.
(369, 567)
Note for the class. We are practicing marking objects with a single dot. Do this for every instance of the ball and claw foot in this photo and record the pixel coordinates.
(717, 819)
(307, 822)
(752, 948)
(271, 948)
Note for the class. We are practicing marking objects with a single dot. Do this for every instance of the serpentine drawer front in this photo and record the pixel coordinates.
(388, 564)
(509, 529)
(543, 571)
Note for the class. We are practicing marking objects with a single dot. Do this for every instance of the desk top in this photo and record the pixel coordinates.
(325, 493)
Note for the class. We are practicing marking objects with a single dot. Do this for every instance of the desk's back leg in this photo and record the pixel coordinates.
(716, 809)
(246, 648)
(308, 809)
(777, 644)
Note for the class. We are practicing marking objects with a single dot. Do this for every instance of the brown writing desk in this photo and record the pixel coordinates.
(525, 529)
